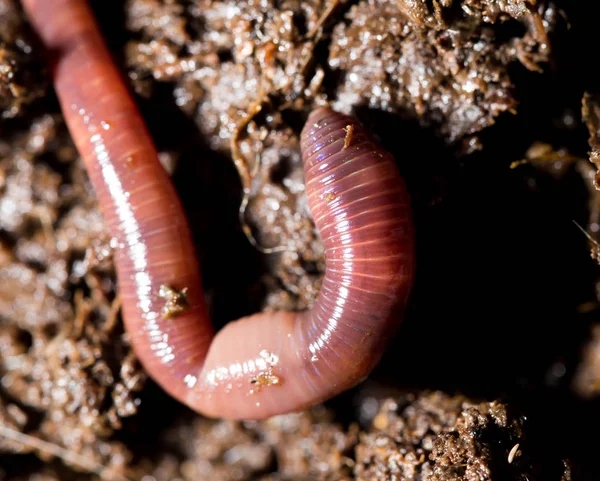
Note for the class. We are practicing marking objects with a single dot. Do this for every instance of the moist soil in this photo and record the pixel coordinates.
(491, 111)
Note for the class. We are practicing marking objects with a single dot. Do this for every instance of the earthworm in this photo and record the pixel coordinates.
(268, 363)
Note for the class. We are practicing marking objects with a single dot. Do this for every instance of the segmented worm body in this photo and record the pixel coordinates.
(268, 363)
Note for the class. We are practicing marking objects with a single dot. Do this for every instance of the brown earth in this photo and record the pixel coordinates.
(506, 302)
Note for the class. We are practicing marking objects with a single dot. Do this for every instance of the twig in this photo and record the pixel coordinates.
(113, 315)
(57, 451)
(586, 233)
(245, 227)
(238, 159)
(323, 18)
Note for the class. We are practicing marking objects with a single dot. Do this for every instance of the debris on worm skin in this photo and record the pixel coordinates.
(329, 197)
(265, 379)
(176, 301)
(349, 129)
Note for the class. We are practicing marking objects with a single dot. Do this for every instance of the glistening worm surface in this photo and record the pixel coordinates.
(268, 363)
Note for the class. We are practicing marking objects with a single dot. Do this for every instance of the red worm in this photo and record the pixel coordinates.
(269, 363)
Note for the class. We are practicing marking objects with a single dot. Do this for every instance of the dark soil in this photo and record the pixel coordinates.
(21, 71)
(495, 373)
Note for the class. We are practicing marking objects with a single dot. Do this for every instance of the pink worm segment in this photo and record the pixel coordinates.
(269, 363)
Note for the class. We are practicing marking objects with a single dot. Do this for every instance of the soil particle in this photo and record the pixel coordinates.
(349, 129)
(175, 301)
(453, 74)
(491, 10)
(591, 117)
(265, 379)
(22, 75)
(437, 437)
(299, 446)
(12, 417)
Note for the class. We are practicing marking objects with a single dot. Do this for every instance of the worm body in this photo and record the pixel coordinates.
(265, 364)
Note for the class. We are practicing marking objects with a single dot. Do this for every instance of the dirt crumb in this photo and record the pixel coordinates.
(22, 73)
(175, 301)
(298, 446)
(438, 437)
(349, 129)
(450, 73)
(591, 117)
(263, 379)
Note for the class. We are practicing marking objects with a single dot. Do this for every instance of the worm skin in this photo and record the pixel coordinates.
(265, 364)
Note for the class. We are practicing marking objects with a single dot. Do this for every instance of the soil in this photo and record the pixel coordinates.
(495, 373)
(22, 77)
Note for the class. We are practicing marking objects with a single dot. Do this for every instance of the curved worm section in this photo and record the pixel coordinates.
(362, 211)
(265, 364)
